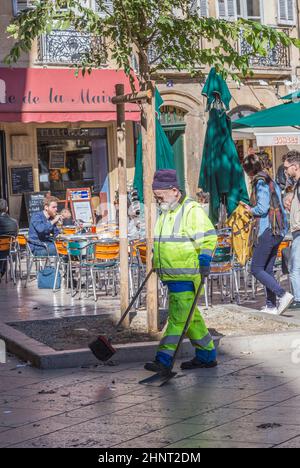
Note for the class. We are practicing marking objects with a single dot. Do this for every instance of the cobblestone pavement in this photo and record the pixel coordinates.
(249, 400)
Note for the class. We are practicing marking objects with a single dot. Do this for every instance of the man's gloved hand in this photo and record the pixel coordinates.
(204, 265)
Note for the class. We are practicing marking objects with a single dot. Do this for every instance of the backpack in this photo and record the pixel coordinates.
(242, 223)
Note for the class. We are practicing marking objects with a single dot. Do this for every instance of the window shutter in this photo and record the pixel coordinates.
(227, 9)
(109, 5)
(231, 9)
(222, 10)
(204, 8)
(194, 6)
(19, 5)
(286, 12)
(291, 11)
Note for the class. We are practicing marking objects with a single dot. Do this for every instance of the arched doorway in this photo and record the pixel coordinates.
(173, 122)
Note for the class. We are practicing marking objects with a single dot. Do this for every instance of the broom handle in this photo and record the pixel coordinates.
(134, 298)
(187, 323)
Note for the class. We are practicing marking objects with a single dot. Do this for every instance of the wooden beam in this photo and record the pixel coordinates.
(122, 178)
(149, 167)
(133, 97)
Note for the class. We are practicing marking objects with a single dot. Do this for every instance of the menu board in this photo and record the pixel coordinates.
(34, 203)
(83, 211)
(21, 179)
(81, 204)
(57, 159)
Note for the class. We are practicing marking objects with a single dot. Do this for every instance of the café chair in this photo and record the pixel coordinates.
(8, 251)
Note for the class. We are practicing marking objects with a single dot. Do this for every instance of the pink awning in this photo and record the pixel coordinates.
(57, 95)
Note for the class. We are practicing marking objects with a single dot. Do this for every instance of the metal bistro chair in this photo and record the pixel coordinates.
(38, 260)
(98, 260)
(222, 268)
(62, 261)
(162, 290)
(136, 266)
(77, 252)
(105, 265)
(22, 254)
(8, 249)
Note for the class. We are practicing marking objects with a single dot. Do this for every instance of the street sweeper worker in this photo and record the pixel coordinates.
(184, 243)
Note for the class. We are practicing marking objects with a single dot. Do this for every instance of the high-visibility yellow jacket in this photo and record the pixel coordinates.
(182, 236)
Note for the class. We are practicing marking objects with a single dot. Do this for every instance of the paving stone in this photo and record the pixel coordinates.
(165, 436)
(293, 443)
(216, 417)
(251, 405)
(275, 414)
(65, 439)
(293, 402)
(13, 417)
(247, 431)
(192, 443)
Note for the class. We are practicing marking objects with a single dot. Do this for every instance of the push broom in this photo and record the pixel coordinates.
(101, 347)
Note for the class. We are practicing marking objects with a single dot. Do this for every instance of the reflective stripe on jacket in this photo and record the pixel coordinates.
(181, 236)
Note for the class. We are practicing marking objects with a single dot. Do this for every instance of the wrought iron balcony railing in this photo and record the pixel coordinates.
(277, 57)
(68, 47)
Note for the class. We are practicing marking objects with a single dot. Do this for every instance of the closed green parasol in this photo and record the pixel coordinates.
(221, 172)
(164, 151)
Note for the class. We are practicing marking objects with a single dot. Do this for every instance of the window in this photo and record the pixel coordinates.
(227, 9)
(201, 6)
(231, 9)
(286, 12)
(250, 9)
(19, 5)
(109, 5)
(72, 158)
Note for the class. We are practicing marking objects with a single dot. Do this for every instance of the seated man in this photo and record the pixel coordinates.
(8, 227)
(43, 229)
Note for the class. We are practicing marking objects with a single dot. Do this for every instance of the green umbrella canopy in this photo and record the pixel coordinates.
(284, 115)
(221, 171)
(164, 151)
(290, 97)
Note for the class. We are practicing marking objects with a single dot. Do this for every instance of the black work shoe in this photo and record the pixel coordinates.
(197, 364)
(155, 366)
(295, 306)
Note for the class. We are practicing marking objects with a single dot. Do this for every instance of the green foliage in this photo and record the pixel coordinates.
(171, 28)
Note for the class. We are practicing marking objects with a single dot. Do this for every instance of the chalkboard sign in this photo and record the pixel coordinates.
(34, 203)
(57, 159)
(21, 179)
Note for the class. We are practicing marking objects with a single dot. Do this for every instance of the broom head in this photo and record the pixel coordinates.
(102, 348)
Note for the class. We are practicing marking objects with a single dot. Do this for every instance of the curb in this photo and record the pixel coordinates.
(44, 357)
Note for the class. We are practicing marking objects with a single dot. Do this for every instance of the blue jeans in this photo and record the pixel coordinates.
(294, 268)
(263, 261)
(40, 251)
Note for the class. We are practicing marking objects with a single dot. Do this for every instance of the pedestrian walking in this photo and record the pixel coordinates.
(270, 229)
(291, 163)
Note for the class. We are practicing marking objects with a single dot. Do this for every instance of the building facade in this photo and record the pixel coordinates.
(58, 131)
(61, 129)
(274, 76)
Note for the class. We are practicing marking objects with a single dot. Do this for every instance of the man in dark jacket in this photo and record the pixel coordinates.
(8, 227)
